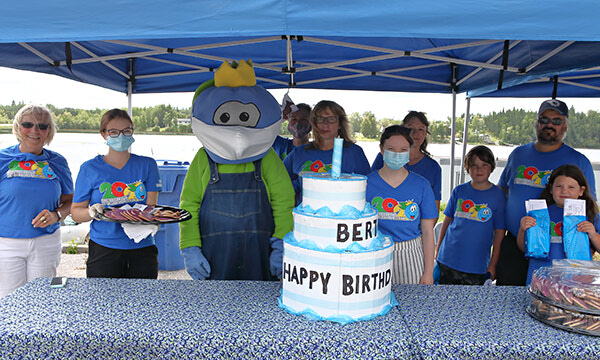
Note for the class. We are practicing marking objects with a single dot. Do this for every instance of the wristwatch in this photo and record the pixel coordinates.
(58, 213)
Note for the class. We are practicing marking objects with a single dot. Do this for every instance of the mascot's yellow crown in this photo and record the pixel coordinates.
(236, 74)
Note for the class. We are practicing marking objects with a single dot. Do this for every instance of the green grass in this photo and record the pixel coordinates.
(442, 208)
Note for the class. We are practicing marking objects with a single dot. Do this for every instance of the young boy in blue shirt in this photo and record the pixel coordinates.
(474, 222)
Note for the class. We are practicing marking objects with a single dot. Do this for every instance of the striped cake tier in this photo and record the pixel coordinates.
(342, 287)
(325, 230)
(319, 190)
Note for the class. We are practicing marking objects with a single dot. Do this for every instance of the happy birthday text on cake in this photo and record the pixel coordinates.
(350, 284)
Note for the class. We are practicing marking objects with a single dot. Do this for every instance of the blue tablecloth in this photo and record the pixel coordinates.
(118, 318)
(484, 322)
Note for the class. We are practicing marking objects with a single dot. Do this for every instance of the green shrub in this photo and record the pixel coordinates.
(72, 249)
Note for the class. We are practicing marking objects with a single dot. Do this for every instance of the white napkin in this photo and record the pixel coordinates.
(138, 233)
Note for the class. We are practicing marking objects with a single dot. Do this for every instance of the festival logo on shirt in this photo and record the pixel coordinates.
(120, 193)
(531, 176)
(30, 169)
(391, 209)
(467, 209)
(556, 232)
(315, 167)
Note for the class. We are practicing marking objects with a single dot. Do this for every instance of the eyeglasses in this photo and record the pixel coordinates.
(115, 132)
(40, 126)
(544, 120)
(326, 119)
(417, 130)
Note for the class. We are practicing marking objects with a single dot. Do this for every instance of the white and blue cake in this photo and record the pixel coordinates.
(336, 265)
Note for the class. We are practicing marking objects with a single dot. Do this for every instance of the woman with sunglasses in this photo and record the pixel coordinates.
(116, 179)
(36, 191)
(328, 120)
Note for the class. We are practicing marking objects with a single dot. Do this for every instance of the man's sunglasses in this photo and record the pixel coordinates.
(29, 125)
(544, 120)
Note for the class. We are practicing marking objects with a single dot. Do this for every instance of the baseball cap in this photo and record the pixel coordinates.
(554, 104)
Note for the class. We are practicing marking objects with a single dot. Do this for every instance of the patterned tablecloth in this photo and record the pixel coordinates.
(118, 318)
(484, 322)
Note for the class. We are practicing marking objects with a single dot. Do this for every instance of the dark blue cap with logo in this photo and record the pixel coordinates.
(554, 104)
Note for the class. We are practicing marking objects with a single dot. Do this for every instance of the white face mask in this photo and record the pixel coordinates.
(235, 144)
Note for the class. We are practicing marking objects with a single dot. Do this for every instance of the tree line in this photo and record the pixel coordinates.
(160, 118)
(507, 127)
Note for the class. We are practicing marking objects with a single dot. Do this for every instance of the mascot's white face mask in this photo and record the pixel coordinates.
(235, 144)
(235, 119)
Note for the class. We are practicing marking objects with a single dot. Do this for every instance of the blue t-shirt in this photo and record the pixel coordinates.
(426, 167)
(283, 146)
(401, 209)
(526, 174)
(302, 161)
(102, 183)
(475, 214)
(30, 183)
(557, 249)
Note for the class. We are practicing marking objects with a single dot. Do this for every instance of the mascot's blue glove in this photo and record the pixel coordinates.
(195, 263)
(276, 259)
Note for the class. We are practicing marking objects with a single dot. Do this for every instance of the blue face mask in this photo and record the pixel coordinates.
(395, 160)
(120, 143)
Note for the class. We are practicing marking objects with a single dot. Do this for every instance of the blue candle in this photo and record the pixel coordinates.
(336, 162)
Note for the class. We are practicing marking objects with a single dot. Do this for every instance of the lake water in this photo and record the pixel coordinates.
(78, 148)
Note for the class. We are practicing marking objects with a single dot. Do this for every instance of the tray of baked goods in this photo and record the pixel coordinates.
(568, 284)
(564, 319)
(144, 214)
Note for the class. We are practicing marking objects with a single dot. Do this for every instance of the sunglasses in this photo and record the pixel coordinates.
(544, 120)
(29, 125)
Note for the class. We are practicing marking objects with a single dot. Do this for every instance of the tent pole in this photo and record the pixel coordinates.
(130, 81)
(465, 139)
(452, 137)
(289, 59)
(129, 91)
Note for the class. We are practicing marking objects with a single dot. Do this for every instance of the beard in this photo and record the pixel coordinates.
(548, 136)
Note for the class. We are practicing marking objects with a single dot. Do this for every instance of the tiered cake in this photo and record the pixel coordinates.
(336, 266)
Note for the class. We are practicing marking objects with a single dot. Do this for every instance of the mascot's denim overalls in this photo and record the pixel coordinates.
(236, 224)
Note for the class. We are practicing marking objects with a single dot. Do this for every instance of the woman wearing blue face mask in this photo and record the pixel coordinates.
(406, 207)
(421, 161)
(115, 179)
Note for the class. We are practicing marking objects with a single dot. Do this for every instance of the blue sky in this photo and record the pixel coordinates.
(31, 87)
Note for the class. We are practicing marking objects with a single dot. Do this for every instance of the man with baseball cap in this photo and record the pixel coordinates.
(526, 175)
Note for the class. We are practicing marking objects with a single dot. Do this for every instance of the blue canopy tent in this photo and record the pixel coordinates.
(381, 45)
(583, 83)
(435, 46)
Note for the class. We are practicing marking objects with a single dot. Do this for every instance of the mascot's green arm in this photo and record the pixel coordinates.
(281, 193)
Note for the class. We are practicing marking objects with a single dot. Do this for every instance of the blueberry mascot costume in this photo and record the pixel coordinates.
(236, 188)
